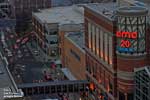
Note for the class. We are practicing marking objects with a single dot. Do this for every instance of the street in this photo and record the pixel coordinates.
(26, 67)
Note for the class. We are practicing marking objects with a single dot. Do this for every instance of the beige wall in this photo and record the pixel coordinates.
(76, 66)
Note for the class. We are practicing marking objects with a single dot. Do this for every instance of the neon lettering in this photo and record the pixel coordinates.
(131, 35)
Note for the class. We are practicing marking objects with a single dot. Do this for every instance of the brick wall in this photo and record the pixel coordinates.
(76, 66)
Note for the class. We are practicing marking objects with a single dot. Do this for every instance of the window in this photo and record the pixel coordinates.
(89, 35)
(106, 47)
(101, 44)
(130, 96)
(54, 52)
(75, 54)
(121, 96)
(110, 50)
(53, 32)
(110, 87)
(93, 38)
(97, 41)
(53, 41)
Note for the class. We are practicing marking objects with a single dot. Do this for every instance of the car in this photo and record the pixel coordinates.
(20, 56)
(24, 40)
(27, 54)
(6, 50)
(9, 54)
(25, 50)
(11, 36)
(18, 65)
(1, 72)
(23, 46)
(16, 46)
(19, 52)
(23, 66)
(36, 52)
(4, 44)
(18, 40)
(2, 38)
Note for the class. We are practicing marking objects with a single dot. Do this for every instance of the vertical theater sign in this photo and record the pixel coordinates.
(125, 43)
(131, 30)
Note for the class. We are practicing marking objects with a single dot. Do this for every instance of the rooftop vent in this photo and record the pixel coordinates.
(106, 12)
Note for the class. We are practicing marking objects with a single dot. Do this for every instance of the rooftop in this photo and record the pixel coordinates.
(62, 15)
(104, 9)
(77, 38)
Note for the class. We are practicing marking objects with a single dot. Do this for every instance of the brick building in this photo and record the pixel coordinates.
(49, 23)
(74, 55)
(111, 52)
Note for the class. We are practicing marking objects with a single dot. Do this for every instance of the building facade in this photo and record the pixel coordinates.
(74, 54)
(49, 23)
(62, 32)
(115, 43)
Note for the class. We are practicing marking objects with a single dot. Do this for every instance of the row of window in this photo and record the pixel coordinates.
(100, 42)
(53, 41)
(97, 71)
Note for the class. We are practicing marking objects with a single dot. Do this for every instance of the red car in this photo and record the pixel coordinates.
(24, 40)
(16, 46)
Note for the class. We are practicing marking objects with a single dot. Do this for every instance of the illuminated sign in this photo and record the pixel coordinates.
(131, 35)
(125, 43)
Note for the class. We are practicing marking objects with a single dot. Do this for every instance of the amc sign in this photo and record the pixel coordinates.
(125, 43)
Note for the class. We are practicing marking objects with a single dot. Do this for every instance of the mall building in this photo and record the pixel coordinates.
(116, 42)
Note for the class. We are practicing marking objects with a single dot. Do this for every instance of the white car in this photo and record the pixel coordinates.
(36, 52)
(1, 72)
(20, 55)
(9, 53)
(19, 52)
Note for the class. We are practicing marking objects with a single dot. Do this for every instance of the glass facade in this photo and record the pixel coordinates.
(100, 43)
(142, 84)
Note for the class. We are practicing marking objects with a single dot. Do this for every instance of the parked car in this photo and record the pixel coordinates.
(19, 54)
(9, 54)
(36, 52)
(1, 72)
